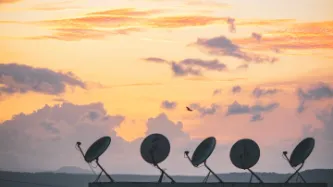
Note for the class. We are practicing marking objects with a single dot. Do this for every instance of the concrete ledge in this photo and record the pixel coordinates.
(184, 184)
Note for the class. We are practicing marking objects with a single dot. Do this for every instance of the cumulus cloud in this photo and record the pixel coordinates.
(51, 133)
(223, 46)
(258, 92)
(17, 78)
(317, 92)
(204, 111)
(190, 66)
(256, 110)
(236, 89)
(168, 104)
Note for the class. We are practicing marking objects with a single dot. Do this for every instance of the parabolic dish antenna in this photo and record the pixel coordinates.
(95, 151)
(244, 154)
(202, 153)
(301, 152)
(155, 148)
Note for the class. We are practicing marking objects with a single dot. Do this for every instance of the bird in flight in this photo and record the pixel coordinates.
(188, 109)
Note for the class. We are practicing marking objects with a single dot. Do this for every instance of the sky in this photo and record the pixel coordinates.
(79, 70)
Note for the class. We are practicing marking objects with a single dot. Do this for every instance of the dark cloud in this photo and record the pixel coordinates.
(316, 92)
(222, 46)
(190, 66)
(180, 70)
(204, 111)
(236, 109)
(231, 23)
(258, 92)
(168, 104)
(256, 117)
(217, 92)
(17, 78)
(236, 89)
(256, 36)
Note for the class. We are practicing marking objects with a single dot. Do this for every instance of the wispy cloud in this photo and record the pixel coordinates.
(298, 36)
(76, 34)
(8, 1)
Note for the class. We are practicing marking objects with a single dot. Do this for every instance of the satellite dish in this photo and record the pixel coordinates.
(155, 148)
(95, 151)
(301, 152)
(202, 153)
(244, 154)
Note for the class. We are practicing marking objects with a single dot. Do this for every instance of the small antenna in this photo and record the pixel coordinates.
(155, 148)
(95, 151)
(301, 152)
(244, 154)
(201, 154)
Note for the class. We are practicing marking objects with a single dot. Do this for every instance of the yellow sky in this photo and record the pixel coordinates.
(109, 48)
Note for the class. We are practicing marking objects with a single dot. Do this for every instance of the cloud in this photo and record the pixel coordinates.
(237, 109)
(130, 17)
(256, 36)
(8, 1)
(181, 21)
(297, 36)
(231, 23)
(317, 92)
(17, 78)
(77, 34)
(190, 66)
(217, 92)
(256, 117)
(204, 111)
(236, 89)
(222, 46)
(258, 92)
(51, 132)
(126, 12)
(168, 105)
(243, 66)
(326, 117)
(155, 60)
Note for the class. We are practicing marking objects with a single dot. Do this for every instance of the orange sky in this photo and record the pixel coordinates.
(104, 42)
(130, 56)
